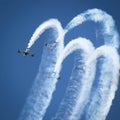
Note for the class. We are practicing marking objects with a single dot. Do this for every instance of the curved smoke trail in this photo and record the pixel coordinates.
(44, 83)
(110, 33)
(52, 23)
(79, 91)
(102, 96)
(111, 39)
(79, 79)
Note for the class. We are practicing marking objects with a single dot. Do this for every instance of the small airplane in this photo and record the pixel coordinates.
(25, 52)
(51, 46)
(81, 68)
(59, 78)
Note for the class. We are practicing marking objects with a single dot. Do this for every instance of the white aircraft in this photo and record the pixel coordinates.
(81, 68)
(54, 74)
(51, 46)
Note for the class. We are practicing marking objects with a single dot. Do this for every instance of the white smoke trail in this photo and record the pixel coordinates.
(79, 79)
(111, 39)
(44, 84)
(108, 26)
(102, 96)
(78, 91)
(52, 23)
(73, 45)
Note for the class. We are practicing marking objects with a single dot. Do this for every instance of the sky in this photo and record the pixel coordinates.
(19, 19)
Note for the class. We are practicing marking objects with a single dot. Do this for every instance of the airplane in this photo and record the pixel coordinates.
(51, 46)
(25, 52)
(81, 68)
(59, 78)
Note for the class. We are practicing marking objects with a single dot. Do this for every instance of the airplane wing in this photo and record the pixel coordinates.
(20, 51)
(30, 54)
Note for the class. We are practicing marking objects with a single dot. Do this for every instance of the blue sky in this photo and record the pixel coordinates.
(19, 19)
